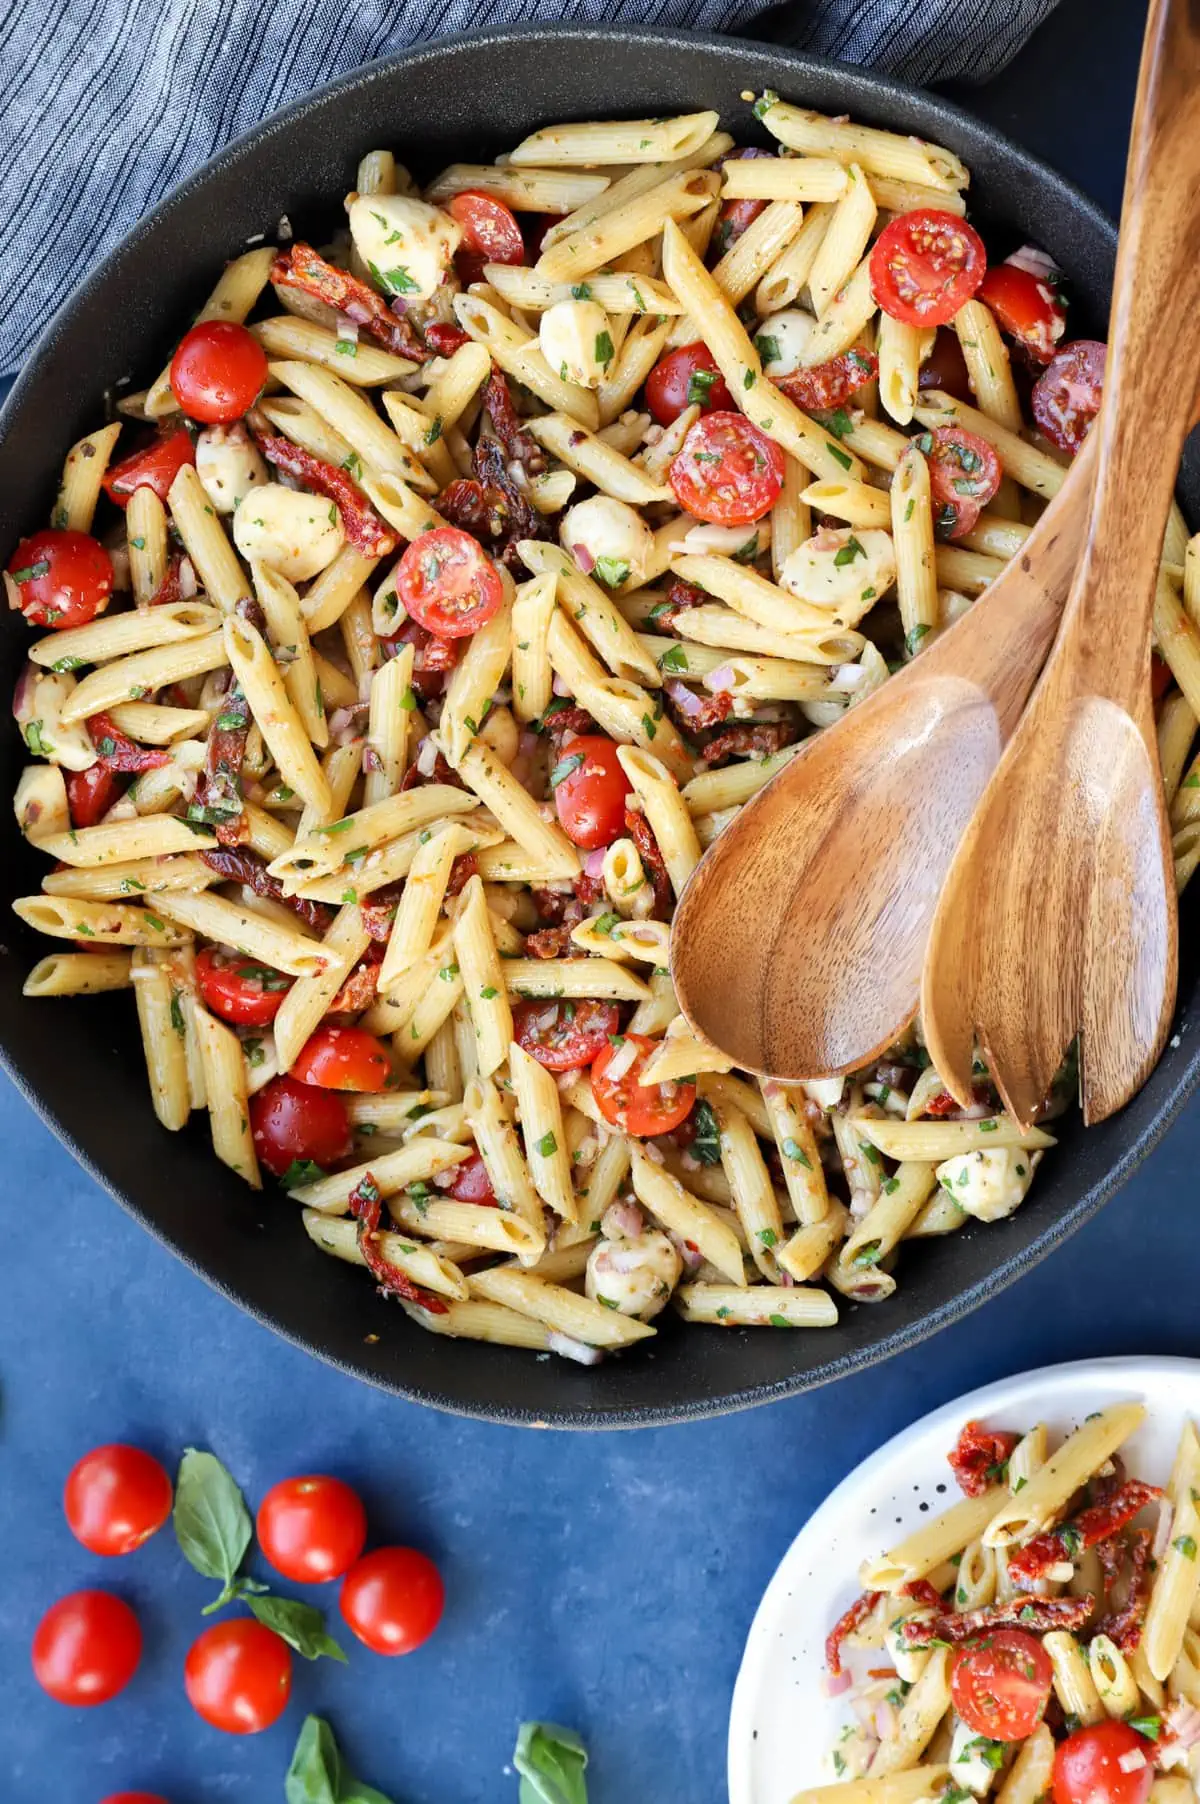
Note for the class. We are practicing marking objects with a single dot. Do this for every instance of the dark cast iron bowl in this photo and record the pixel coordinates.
(79, 1061)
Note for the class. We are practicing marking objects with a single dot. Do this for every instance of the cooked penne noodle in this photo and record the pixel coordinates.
(532, 675)
(935, 1541)
(118, 635)
(79, 974)
(625, 141)
(108, 923)
(483, 977)
(1032, 468)
(596, 461)
(621, 707)
(356, 360)
(82, 478)
(160, 1018)
(575, 978)
(544, 1134)
(278, 721)
(151, 836)
(146, 539)
(338, 1235)
(308, 999)
(518, 354)
(938, 1140)
(228, 924)
(228, 1097)
(559, 1309)
(761, 1306)
(533, 190)
(206, 542)
(912, 535)
(1053, 1484)
(881, 153)
(988, 367)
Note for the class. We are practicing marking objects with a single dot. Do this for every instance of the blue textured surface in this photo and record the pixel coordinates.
(605, 1581)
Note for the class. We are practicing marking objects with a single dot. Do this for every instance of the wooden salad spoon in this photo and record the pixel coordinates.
(1058, 915)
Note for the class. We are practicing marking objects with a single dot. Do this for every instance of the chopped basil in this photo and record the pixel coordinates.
(779, 1321)
(612, 571)
(913, 638)
(605, 923)
(1185, 1545)
(793, 1150)
(848, 552)
(766, 100)
(177, 1014)
(746, 554)
(604, 348)
(675, 659)
(767, 347)
(649, 725)
(547, 1146)
(842, 457)
(34, 740)
(706, 1146)
(65, 664)
(749, 379)
(700, 383)
(565, 768)
(489, 992)
(581, 292)
(768, 1236)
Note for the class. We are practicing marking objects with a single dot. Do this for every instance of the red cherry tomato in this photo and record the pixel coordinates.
(563, 1036)
(1161, 677)
(90, 794)
(1066, 397)
(343, 1058)
(626, 1102)
(1026, 307)
(154, 468)
(294, 1123)
(735, 215)
(964, 474)
(471, 1184)
(829, 384)
(115, 1498)
(536, 227)
(133, 1797)
(727, 472)
(946, 367)
(685, 378)
(1001, 1686)
(392, 1599)
(490, 228)
(86, 1648)
(218, 371)
(448, 583)
(925, 265)
(238, 1676)
(590, 790)
(1087, 1766)
(238, 989)
(62, 578)
(311, 1529)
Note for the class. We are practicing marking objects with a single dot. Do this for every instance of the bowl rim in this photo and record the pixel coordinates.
(917, 102)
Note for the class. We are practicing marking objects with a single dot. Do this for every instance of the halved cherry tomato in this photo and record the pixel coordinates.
(343, 1058)
(946, 367)
(471, 1184)
(86, 1648)
(218, 371)
(626, 1102)
(448, 583)
(238, 989)
(590, 788)
(238, 1676)
(311, 1529)
(687, 377)
(726, 471)
(964, 474)
(154, 468)
(1001, 1685)
(294, 1123)
(563, 1036)
(392, 1599)
(115, 1498)
(90, 794)
(1026, 307)
(1087, 1767)
(489, 227)
(829, 384)
(735, 215)
(1066, 397)
(62, 578)
(925, 265)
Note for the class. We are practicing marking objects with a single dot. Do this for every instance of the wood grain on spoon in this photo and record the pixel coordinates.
(1058, 915)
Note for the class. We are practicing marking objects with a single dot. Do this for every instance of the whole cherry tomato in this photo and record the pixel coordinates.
(62, 578)
(735, 215)
(86, 1648)
(1087, 1766)
(343, 1058)
(154, 468)
(925, 266)
(448, 583)
(686, 377)
(294, 1123)
(133, 1797)
(829, 384)
(964, 474)
(238, 989)
(311, 1529)
(726, 471)
(626, 1102)
(472, 1184)
(1001, 1686)
(238, 1676)
(1066, 397)
(218, 371)
(1026, 307)
(564, 1036)
(115, 1498)
(90, 794)
(590, 789)
(392, 1599)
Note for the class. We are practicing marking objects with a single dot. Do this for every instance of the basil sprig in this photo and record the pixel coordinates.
(551, 1761)
(317, 1774)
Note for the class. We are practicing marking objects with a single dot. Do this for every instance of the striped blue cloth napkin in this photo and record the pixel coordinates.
(107, 105)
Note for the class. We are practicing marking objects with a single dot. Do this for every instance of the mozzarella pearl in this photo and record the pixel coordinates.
(846, 569)
(577, 342)
(608, 538)
(634, 1276)
(407, 244)
(293, 533)
(991, 1183)
(228, 465)
(781, 339)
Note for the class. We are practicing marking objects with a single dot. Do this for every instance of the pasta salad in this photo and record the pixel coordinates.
(402, 646)
(1039, 1639)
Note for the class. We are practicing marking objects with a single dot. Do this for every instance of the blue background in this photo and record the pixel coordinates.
(605, 1581)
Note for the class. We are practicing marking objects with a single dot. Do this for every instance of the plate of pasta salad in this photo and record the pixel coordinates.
(399, 642)
(1004, 1602)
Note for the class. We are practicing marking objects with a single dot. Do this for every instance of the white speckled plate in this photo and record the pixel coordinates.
(781, 1723)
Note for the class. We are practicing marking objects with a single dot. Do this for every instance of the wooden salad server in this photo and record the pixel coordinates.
(1058, 915)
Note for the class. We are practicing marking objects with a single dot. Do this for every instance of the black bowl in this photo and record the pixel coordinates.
(79, 1061)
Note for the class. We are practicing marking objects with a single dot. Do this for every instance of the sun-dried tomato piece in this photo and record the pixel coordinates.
(117, 752)
(1038, 1614)
(304, 268)
(1066, 1542)
(361, 524)
(979, 1456)
(642, 834)
(845, 1625)
(366, 1207)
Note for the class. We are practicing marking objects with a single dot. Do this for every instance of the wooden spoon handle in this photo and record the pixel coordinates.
(1154, 351)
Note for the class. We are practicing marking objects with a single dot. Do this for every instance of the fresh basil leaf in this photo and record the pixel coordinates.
(317, 1775)
(612, 571)
(706, 1147)
(300, 1625)
(212, 1523)
(551, 1762)
(301, 1171)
